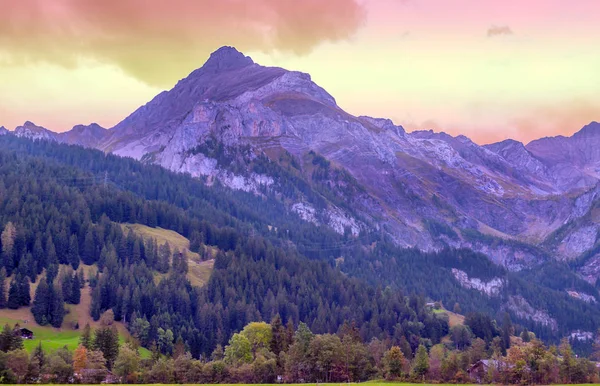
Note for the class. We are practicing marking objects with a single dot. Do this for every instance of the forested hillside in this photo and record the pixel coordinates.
(63, 204)
(58, 215)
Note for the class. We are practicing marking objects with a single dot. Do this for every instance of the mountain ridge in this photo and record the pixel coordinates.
(425, 189)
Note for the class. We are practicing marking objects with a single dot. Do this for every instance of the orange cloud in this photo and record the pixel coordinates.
(499, 30)
(160, 41)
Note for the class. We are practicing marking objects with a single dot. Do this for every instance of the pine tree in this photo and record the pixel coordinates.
(8, 241)
(106, 339)
(164, 255)
(66, 283)
(51, 257)
(73, 257)
(88, 254)
(24, 290)
(6, 338)
(51, 273)
(75, 290)
(421, 366)
(393, 360)
(179, 348)
(57, 310)
(40, 308)
(37, 362)
(38, 252)
(81, 277)
(289, 332)
(278, 334)
(3, 300)
(85, 339)
(14, 295)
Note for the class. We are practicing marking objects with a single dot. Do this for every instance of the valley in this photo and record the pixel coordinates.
(245, 198)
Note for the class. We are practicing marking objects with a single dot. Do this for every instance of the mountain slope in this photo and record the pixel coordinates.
(223, 117)
(229, 120)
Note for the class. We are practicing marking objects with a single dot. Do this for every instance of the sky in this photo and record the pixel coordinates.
(488, 69)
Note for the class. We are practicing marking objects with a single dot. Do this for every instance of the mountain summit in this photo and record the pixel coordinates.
(226, 58)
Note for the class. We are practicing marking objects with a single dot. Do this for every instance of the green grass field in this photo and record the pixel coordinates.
(50, 338)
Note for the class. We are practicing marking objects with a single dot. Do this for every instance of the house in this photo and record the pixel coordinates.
(480, 369)
(25, 333)
(22, 332)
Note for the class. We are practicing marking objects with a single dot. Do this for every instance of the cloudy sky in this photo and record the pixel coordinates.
(487, 69)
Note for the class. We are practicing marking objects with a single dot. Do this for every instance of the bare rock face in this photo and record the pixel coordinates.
(86, 136)
(520, 307)
(490, 288)
(32, 131)
(3, 130)
(573, 162)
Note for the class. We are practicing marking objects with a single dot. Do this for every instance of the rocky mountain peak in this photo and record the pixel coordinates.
(593, 129)
(94, 127)
(226, 58)
(29, 126)
(3, 130)
(33, 131)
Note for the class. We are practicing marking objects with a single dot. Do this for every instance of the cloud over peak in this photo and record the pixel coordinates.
(158, 42)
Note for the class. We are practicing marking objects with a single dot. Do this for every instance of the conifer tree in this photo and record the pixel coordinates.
(75, 290)
(40, 303)
(85, 339)
(73, 257)
(24, 291)
(421, 366)
(3, 299)
(393, 360)
(51, 257)
(14, 295)
(88, 254)
(66, 282)
(106, 339)
(278, 335)
(57, 310)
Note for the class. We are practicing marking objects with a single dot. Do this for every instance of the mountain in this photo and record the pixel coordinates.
(424, 189)
(86, 136)
(3, 130)
(32, 131)
(428, 190)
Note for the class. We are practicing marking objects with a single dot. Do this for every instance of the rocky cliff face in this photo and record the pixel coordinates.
(86, 136)
(3, 130)
(32, 131)
(565, 163)
(425, 189)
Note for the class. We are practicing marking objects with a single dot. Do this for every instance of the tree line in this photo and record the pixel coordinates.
(276, 352)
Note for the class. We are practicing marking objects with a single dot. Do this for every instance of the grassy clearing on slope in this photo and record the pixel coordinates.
(199, 271)
(162, 236)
